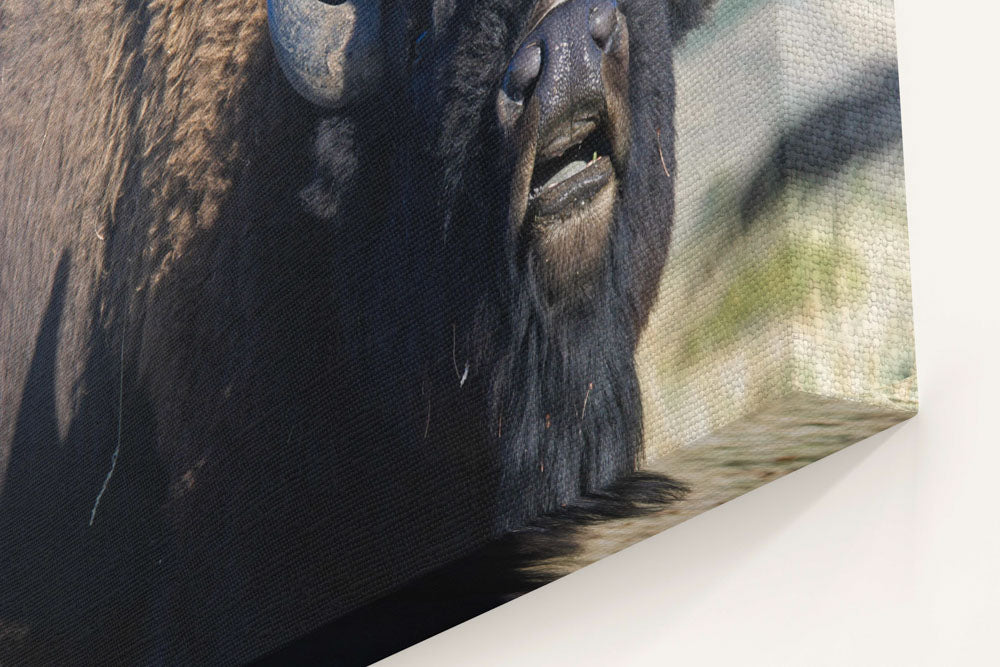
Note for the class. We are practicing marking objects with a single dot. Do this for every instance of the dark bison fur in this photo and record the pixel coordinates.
(267, 363)
(490, 576)
(551, 388)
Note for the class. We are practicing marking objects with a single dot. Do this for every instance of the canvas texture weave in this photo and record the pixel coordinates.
(325, 326)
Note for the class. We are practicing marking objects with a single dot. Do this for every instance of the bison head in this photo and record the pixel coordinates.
(502, 171)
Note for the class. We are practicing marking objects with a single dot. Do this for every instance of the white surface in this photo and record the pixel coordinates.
(887, 553)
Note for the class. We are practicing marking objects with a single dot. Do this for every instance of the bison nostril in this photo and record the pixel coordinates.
(603, 20)
(523, 71)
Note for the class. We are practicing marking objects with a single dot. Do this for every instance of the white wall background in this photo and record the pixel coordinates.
(887, 553)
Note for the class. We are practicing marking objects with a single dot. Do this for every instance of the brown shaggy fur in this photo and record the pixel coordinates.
(94, 140)
(140, 142)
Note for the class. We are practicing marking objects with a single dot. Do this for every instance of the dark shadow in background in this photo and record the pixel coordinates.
(859, 120)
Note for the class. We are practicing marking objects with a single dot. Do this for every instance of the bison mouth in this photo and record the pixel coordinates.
(570, 171)
(570, 205)
(563, 110)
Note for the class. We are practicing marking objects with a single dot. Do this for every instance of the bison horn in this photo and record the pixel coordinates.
(327, 50)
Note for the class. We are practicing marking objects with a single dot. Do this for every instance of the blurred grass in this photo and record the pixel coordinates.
(776, 288)
(813, 295)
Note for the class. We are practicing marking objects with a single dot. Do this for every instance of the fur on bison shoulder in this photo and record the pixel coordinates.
(292, 315)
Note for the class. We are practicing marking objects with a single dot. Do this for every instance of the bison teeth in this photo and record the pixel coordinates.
(569, 170)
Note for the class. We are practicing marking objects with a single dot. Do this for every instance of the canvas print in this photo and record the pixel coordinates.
(326, 326)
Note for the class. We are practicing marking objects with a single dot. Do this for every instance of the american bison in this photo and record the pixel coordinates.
(272, 349)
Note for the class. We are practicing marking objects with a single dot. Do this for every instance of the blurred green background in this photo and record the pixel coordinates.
(789, 267)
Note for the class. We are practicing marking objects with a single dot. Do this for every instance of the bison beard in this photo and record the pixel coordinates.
(546, 385)
(326, 371)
